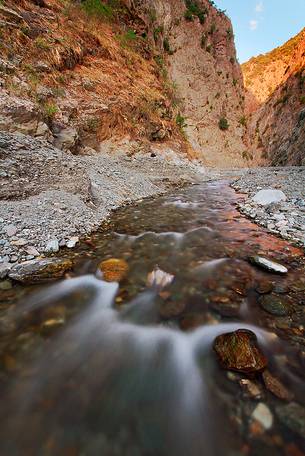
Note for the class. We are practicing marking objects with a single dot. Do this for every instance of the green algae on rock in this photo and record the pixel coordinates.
(238, 351)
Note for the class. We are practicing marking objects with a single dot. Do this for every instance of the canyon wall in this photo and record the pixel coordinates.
(275, 104)
(201, 61)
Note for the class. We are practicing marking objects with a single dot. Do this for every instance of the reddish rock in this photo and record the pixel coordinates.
(238, 351)
(276, 387)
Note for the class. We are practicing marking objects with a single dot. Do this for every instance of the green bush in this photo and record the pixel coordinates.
(223, 124)
(50, 110)
(243, 121)
(180, 121)
(167, 47)
(127, 38)
(97, 8)
(193, 9)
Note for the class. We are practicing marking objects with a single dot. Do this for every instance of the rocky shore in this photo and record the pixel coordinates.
(50, 198)
(276, 200)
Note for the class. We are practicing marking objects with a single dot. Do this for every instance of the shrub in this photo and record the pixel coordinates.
(302, 99)
(98, 9)
(209, 48)
(188, 16)
(223, 124)
(234, 82)
(157, 32)
(167, 47)
(127, 38)
(50, 110)
(41, 43)
(243, 121)
(180, 121)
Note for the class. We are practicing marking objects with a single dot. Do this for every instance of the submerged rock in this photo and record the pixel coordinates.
(158, 278)
(276, 387)
(114, 269)
(269, 196)
(293, 416)
(263, 415)
(238, 351)
(274, 304)
(35, 271)
(268, 265)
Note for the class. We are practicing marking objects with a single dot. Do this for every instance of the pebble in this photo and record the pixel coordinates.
(263, 415)
(274, 304)
(52, 246)
(11, 230)
(293, 416)
(72, 242)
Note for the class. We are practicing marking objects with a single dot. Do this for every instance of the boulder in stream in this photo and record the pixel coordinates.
(45, 270)
(268, 265)
(238, 351)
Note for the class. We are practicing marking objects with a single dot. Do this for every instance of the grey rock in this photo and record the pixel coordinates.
(67, 139)
(11, 230)
(268, 196)
(293, 416)
(4, 269)
(52, 246)
(268, 265)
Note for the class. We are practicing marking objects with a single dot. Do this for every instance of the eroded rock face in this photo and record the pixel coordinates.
(275, 103)
(201, 62)
(238, 351)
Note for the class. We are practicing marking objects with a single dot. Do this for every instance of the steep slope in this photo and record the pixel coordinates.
(265, 73)
(80, 74)
(201, 62)
(275, 103)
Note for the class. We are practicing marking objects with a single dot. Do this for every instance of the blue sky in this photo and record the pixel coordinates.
(261, 25)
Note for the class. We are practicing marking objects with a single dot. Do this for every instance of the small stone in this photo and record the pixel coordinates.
(264, 287)
(72, 242)
(4, 269)
(19, 243)
(114, 269)
(268, 196)
(250, 388)
(276, 387)
(5, 285)
(274, 304)
(263, 415)
(268, 265)
(238, 351)
(52, 246)
(11, 230)
(158, 278)
(30, 250)
(293, 416)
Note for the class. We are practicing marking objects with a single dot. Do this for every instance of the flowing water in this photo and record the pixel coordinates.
(91, 367)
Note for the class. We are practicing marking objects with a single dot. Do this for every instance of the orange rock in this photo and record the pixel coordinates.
(238, 351)
(114, 269)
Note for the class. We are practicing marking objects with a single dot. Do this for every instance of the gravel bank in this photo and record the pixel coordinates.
(285, 218)
(49, 197)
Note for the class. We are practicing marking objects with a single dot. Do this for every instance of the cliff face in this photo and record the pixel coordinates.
(200, 58)
(81, 73)
(275, 103)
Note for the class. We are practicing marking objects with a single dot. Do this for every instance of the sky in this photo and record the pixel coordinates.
(261, 25)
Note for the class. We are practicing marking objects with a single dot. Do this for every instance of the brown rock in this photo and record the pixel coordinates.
(114, 269)
(238, 351)
(276, 387)
(45, 270)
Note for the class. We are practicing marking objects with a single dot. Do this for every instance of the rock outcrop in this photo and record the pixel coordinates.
(200, 59)
(275, 104)
(155, 72)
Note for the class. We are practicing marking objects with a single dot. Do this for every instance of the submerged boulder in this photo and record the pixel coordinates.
(238, 351)
(114, 269)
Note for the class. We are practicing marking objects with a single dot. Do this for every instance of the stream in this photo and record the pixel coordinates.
(97, 366)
